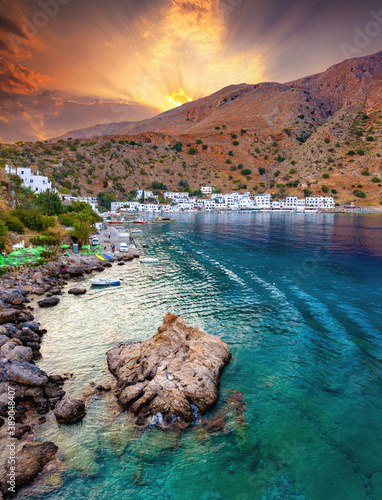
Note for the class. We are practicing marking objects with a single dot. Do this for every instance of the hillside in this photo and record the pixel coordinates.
(319, 134)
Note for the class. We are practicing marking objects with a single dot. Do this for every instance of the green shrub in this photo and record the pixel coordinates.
(334, 191)
(351, 153)
(191, 151)
(228, 162)
(3, 234)
(49, 239)
(246, 171)
(235, 143)
(365, 172)
(292, 171)
(370, 138)
(199, 141)
(14, 224)
(359, 193)
(326, 140)
(325, 176)
(287, 131)
(233, 168)
(280, 158)
(360, 152)
(325, 189)
(277, 173)
(376, 180)
(261, 170)
(33, 219)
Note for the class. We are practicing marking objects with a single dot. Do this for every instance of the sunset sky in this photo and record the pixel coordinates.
(68, 64)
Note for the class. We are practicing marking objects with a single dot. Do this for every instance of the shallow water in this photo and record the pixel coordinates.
(298, 300)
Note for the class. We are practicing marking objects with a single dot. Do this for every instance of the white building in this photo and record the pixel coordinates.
(206, 189)
(263, 200)
(320, 202)
(38, 183)
(148, 194)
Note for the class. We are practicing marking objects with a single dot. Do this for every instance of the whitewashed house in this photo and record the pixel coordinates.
(38, 183)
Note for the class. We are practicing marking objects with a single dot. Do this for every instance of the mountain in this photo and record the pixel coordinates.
(320, 134)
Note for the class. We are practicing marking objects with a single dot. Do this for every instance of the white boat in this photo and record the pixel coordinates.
(149, 260)
(116, 281)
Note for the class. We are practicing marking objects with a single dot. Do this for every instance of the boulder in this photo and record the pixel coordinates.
(77, 291)
(15, 298)
(22, 373)
(48, 302)
(69, 410)
(30, 461)
(75, 270)
(14, 316)
(171, 377)
(13, 350)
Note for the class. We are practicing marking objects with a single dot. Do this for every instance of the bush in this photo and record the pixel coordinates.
(191, 151)
(228, 162)
(261, 170)
(199, 141)
(232, 168)
(325, 176)
(246, 171)
(325, 189)
(178, 147)
(307, 193)
(359, 193)
(14, 224)
(280, 158)
(334, 191)
(33, 219)
(351, 153)
(235, 143)
(326, 140)
(365, 172)
(47, 239)
(360, 152)
(370, 138)
(3, 234)
(376, 179)
(277, 173)
(292, 171)
(243, 131)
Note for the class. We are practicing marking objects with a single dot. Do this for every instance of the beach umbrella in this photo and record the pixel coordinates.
(86, 246)
(17, 253)
(97, 246)
(65, 246)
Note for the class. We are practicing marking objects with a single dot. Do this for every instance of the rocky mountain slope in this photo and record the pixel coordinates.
(320, 134)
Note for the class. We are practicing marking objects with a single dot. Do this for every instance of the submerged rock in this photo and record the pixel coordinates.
(171, 377)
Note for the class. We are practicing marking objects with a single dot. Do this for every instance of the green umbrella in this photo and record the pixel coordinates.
(97, 246)
(17, 253)
(85, 246)
(65, 246)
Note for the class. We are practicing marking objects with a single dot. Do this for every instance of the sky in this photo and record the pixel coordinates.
(69, 64)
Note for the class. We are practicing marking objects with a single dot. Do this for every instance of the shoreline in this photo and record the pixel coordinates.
(28, 395)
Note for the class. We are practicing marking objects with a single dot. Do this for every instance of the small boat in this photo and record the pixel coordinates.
(116, 281)
(162, 219)
(136, 231)
(148, 260)
(139, 221)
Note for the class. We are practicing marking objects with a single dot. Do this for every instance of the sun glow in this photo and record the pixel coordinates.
(179, 98)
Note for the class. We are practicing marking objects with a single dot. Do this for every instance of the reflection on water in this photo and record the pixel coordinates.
(298, 300)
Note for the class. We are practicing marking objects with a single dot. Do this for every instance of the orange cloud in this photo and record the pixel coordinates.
(17, 79)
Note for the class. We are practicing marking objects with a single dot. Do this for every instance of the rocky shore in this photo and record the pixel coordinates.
(172, 378)
(28, 394)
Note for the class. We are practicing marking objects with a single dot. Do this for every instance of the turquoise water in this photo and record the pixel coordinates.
(297, 298)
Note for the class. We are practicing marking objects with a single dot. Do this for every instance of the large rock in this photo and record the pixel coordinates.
(69, 410)
(75, 270)
(14, 316)
(49, 302)
(77, 291)
(171, 377)
(13, 350)
(30, 461)
(22, 373)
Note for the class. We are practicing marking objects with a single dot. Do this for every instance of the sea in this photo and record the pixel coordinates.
(298, 300)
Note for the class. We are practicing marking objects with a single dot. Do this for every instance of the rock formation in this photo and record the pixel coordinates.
(172, 377)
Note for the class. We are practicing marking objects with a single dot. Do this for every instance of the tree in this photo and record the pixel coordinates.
(105, 199)
(49, 203)
(81, 232)
(3, 234)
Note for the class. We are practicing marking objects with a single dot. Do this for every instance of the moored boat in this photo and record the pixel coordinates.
(162, 219)
(95, 282)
